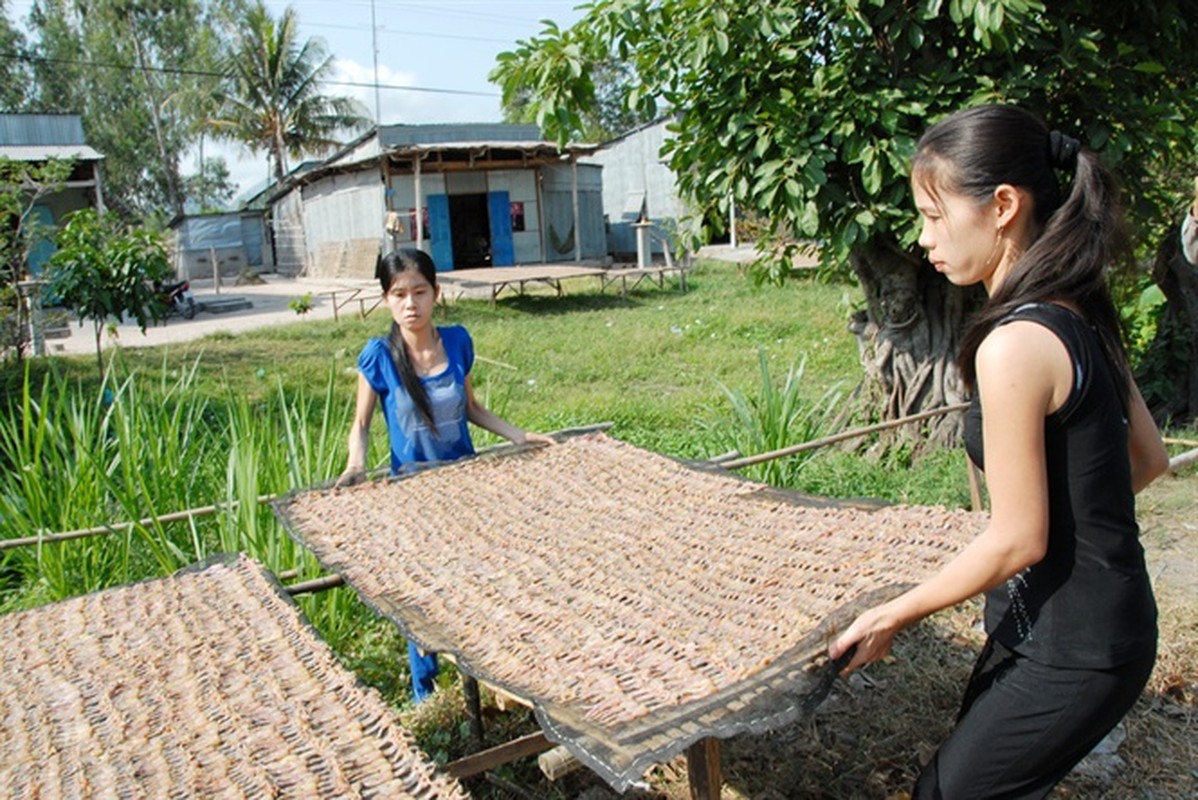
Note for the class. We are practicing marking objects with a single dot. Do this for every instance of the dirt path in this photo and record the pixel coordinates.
(1168, 511)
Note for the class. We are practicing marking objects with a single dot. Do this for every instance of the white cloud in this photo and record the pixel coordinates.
(397, 104)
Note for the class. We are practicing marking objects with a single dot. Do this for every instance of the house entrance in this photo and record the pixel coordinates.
(470, 228)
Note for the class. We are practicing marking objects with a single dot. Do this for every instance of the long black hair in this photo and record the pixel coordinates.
(1075, 239)
(387, 269)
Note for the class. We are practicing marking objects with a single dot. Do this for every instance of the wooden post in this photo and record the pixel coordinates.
(215, 269)
(703, 769)
(975, 486)
(577, 220)
(478, 763)
(474, 708)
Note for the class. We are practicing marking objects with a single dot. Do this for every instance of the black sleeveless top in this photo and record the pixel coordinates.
(1088, 603)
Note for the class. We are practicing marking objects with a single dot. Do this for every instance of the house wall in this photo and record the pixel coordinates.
(557, 193)
(343, 224)
(287, 222)
(52, 211)
(521, 186)
(634, 173)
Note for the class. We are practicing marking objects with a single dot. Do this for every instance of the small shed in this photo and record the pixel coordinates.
(638, 187)
(233, 240)
(471, 195)
(38, 138)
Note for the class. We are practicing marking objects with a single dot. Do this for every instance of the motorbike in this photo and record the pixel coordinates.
(177, 298)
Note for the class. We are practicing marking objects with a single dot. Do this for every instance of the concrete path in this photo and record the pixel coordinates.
(268, 307)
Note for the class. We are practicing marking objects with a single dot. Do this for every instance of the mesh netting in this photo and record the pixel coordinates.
(205, 684)
(637, 603)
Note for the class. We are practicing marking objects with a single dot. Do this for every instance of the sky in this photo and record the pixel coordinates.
(433, 58)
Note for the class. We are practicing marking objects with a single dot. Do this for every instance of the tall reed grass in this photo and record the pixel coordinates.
(776, 415)
(145, 445)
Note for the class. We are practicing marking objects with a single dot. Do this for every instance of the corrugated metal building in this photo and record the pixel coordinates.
(485, 195)
(37, 138)
(638, 185)
(234, 240)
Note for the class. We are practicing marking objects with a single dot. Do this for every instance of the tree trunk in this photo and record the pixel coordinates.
(908, 336)
(168, 159)
(1169, 370)
(99, 357)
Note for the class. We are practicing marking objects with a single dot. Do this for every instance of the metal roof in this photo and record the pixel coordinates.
(38, 137)
(41, 129)
(397, 136)
(44, 152)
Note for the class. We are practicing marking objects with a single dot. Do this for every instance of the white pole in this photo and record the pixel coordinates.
(374, 41)
(419, 205)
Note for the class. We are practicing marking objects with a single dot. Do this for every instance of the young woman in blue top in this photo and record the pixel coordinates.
(420, 374)
(1067, 442)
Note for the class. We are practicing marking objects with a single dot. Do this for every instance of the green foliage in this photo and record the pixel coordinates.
(772, 419)
(806, 114)
(104, 270)
(271, 95)
(302, 304)
(212, 186)
(23, 185)
(118, 64)
(606, 118)
(14, 74)
(1163, 360)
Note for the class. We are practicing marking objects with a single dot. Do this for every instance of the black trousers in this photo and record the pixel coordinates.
(1023, 725)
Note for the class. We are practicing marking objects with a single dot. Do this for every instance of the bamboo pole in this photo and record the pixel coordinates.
(117, 527)
(315, 585)
(1183, 460)
(839, 437)
(1182, 442)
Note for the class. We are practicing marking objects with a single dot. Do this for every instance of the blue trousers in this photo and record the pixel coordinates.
(424, 669)
(1024, 725)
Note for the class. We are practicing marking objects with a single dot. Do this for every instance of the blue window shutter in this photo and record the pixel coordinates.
(503, 250)
(440, 238)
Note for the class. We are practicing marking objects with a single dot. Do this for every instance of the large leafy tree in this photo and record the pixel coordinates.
(806, 113)
(272, 99)
(14, 74)
(138, 71)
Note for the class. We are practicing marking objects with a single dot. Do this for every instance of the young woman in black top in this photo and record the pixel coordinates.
(1067, 442)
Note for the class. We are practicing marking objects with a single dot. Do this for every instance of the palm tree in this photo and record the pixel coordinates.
(272, 99)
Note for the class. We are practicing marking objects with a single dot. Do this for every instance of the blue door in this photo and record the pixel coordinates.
(41, 221)
(440, 237)
(499, 210)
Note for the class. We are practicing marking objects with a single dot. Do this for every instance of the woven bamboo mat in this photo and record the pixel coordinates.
(638, 603)
(205, 684)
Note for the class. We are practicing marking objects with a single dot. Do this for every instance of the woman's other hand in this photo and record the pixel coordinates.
(873, 632)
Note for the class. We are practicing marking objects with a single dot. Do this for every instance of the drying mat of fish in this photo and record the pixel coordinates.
(638, 603)
(209, 683)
